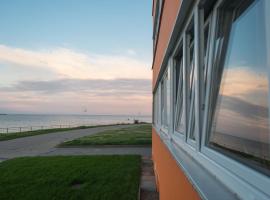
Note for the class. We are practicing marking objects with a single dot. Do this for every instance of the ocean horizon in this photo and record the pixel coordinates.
(64, 120)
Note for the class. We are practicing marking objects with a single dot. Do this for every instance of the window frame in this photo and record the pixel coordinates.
(165, 127)
(176, 136)
(191, 89)
(157, 17)
(179, 47)
(249, 175)
(156, 109)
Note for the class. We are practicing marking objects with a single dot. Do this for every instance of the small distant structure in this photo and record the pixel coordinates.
(84, 109)
(136, 121)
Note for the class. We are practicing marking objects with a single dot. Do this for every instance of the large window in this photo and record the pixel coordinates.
(240, 126)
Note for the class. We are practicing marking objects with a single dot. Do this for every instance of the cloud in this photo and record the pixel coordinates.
(246, 84)
(102, 87)
(67, 63)
(242, 109)
(62, 80)
(99, 96)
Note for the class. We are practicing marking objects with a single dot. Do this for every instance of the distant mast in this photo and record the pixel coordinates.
(84, 109)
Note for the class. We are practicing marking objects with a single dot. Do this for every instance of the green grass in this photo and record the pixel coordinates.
(10, 136)
(70, 177)
(134, 135)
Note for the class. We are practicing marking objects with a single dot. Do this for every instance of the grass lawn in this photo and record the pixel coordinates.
(70, 177)
(10, 136)
(134, 135)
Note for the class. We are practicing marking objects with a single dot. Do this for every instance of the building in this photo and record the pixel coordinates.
(211, 69)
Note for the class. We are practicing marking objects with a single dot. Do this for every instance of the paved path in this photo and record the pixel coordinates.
(148, 188)
(44, 145)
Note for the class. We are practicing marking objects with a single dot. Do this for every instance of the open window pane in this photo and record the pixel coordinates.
(206, 51)
(191, 88)
(156, 108)
(240, 126)
(165, 99)
(179, 125)
(163, 103)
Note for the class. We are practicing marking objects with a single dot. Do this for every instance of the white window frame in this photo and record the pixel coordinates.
(191, 90)
(175, 102)
(165, 119)
(250, 176)
(157, 18)
(157, 108)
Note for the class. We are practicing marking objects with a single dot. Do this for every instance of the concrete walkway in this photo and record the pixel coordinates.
(148, 188)
(44, 145)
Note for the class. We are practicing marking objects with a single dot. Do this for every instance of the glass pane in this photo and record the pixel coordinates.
(156, 107)
(240, 127)
(179, 101)
(165, 102)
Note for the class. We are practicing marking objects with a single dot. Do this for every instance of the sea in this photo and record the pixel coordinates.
(25, 122)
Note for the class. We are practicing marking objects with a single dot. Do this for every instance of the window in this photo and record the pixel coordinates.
(240, 123)
(206, 44)
(191, 80)
(179, 123)
(157, 108)
(165, 100)
(157, 20)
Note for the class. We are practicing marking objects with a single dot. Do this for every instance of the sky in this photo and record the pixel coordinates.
(69, 56)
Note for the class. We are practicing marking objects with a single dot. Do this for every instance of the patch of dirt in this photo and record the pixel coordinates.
(77, 184)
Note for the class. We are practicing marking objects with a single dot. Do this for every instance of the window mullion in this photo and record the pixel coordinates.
(185, 80)
(171, 105)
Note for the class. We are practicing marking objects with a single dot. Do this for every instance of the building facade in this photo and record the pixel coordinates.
(211, 69)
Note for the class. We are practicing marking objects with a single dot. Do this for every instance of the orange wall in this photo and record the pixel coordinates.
(172, 183)
(168, 16)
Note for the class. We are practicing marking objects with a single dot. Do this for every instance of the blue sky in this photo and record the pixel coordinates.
(73, 43)
(100, 26)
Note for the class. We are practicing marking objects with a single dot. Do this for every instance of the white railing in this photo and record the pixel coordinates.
(36, 128)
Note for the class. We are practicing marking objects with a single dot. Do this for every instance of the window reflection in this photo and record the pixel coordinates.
(165, 100)
(191, 91)
(179, 94)
(240, 126)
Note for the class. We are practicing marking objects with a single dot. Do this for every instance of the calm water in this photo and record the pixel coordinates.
(37, 121)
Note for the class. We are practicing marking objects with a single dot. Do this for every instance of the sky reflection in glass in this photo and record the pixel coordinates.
(241, 121)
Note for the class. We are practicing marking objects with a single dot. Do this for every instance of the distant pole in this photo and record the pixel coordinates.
(20, 129)
(7, 130)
